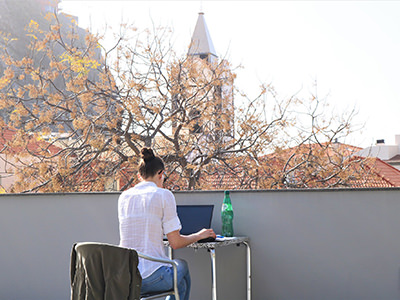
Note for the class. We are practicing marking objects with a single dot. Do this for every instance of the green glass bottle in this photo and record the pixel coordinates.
(227, 216)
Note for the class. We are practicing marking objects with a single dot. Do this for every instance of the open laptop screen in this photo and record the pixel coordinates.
(194, 217)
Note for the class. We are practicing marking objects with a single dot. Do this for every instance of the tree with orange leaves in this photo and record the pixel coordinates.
(100, 110)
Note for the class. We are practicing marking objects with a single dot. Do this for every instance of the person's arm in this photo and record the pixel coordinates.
(177, 240)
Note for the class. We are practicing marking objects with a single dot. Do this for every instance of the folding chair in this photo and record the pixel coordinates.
(162, 294)
(110, 272)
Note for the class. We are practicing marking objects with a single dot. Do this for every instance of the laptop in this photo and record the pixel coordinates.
(194, 218)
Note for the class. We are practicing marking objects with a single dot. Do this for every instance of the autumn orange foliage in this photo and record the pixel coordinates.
(100, 106)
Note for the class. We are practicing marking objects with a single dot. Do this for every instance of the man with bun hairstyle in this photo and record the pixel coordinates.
(146, 212)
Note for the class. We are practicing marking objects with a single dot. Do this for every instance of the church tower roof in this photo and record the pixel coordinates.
(201, 44)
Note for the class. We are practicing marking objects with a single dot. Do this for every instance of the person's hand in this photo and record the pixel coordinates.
(177, 240)
(206, 233)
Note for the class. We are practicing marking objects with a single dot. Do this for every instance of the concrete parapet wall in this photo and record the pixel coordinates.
(314, 244)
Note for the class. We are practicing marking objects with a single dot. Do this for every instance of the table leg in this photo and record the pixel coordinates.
(248, 251)
(214, 274)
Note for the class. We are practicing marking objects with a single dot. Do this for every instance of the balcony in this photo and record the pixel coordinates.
(306, 244)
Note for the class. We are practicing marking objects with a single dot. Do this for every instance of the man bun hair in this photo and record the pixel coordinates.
(150, 164)
(147, 154)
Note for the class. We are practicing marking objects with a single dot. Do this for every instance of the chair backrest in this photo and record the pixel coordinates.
(104, 271)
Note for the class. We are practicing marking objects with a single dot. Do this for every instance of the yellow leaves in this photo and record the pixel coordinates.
(40, 45)
(32, 35)
(4, 81)
(79, 64)
(7, 38)
(73, 21)
(35, 75)
(33, 26)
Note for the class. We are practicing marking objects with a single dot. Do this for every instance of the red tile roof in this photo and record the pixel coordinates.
(9, 145)
(376, 173)
(387, 172)
(368, 172)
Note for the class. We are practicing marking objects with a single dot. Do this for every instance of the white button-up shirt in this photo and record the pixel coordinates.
(147, 212)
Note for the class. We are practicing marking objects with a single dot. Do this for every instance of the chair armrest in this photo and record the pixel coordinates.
(158, 259)
(166, 261)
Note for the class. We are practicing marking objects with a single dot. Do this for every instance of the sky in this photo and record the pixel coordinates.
(351, 49)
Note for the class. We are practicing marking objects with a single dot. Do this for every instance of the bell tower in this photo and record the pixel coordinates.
(201, 44)
(221, 98)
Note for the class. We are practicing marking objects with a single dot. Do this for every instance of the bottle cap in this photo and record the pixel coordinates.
(226, 192)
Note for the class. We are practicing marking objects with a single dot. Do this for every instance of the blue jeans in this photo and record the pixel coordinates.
(163, 280)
